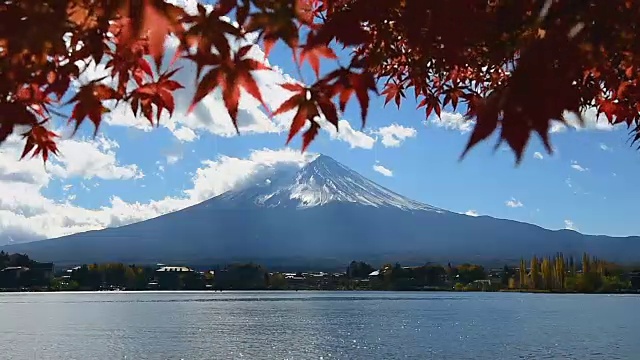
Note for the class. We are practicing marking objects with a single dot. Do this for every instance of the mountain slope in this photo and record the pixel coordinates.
(323, 210)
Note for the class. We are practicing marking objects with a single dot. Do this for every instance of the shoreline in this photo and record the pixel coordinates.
(547, 292)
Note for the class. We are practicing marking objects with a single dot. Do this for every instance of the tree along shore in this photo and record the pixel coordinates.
(554, 274)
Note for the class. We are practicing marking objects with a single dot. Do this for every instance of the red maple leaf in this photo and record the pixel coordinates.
(129, 60)
(159, 93)
(211, 30)
(42, 140)
(33, 97)
(230, 75)
(346, 83)
(432, 103)
(313, 54)
(394, 91)
(59, 80)
(609, 108)
(153, 19)
(309, 135)
(12, 114)
(276, 24)
(452, 95)
(89, 103)
(307, 110)
(344, 26)
(310, 103)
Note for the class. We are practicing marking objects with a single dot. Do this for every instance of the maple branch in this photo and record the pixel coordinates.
(515, 65)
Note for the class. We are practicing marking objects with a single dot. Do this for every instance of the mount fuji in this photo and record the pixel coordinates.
(320, 212)
(321, 182)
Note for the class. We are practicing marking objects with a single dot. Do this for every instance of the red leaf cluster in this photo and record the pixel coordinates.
(231, 74)
(514, 65)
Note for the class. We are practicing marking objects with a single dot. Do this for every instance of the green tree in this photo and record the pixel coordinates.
(4, 259)
(612, 284)
(506, 274)
(588, 282)
(432, 274)
(471, 272)
(572, 266)
(277, 282)
(586, 263)
(359, 270)
(242, 277)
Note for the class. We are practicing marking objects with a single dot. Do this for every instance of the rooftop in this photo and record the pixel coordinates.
(174, 269)
(11, 268)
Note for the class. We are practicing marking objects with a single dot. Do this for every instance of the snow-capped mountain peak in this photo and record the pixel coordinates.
(320, 182)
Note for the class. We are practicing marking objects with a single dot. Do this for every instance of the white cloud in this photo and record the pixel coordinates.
(513, 203)
(538, 155)
(26, 214)
(591, 122)
(473, 213)
(452, 121)
(568, 182)
(88, 159)
(578, 167)
(569, 225)
(355, 138)
(173, 158)
(225, 173)
(394, 134)
(185, 134)
(78, 157)
(382, 170)
(457, 121)
(604, 147)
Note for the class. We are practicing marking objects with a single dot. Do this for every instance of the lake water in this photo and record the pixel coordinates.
(318, 325)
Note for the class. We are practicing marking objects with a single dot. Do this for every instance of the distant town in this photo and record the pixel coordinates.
(550, 274)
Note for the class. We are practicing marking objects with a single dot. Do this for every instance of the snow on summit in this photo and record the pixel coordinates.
(320, 182)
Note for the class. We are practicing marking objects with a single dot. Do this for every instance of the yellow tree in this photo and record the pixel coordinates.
(523, 273)
(535, 273)
(560, 271)
(547, 274)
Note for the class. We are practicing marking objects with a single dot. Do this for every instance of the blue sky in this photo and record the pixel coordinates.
(131, 172)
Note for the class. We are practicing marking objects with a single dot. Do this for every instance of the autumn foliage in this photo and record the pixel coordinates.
(515, 66)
